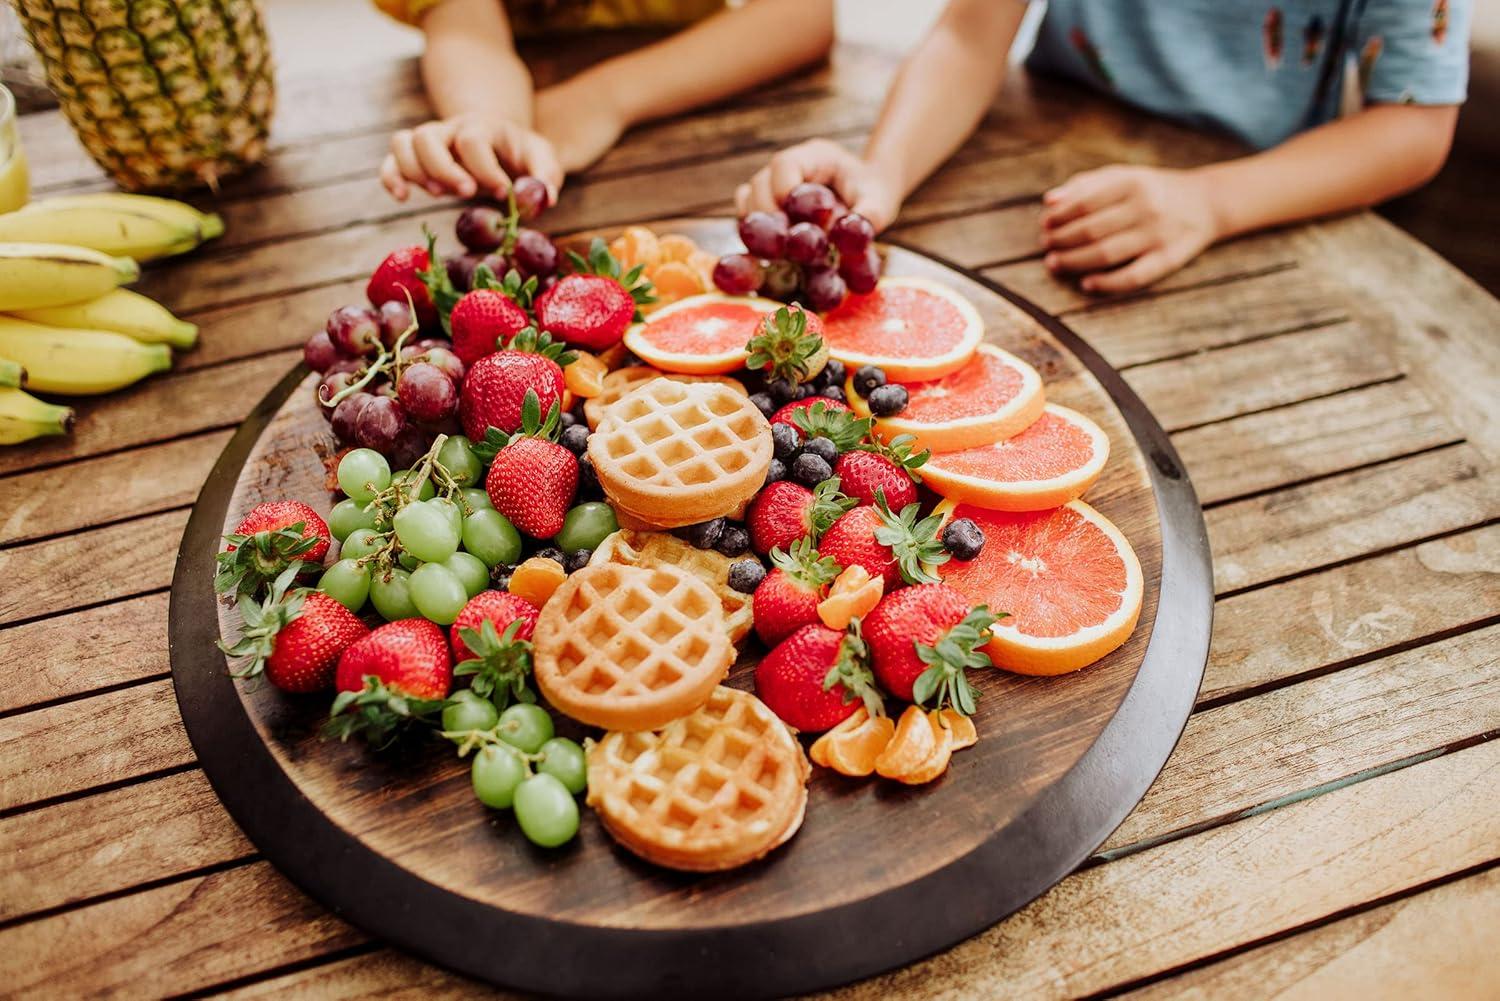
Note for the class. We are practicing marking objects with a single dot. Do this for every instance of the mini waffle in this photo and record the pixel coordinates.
(681, 452)
(713, 790)
(654, 549)
(633, 377)
(630, 648)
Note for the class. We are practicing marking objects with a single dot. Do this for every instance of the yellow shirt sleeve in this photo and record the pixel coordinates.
(406, 11)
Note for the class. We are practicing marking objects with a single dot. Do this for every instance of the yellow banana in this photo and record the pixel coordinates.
(24, 417)
(122, 311)
(54, 274)
(107, 228)
(208, 224)
(11, 373)
(76, 361)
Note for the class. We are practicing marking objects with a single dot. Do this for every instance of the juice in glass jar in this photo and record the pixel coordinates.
(15, 180)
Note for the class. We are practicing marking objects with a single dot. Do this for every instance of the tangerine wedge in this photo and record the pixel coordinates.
(913, 328)
(937, 762)
(700, 335)
(676, 247)
(536, 579)
(853, 594)
(960, 728)
(637, 245)
(911, 744)
(1048, 464)
(855, 751)
(676, 280)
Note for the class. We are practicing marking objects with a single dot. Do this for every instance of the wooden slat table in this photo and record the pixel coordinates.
(1328, 825)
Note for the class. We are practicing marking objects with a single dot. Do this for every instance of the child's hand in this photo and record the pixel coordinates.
(863, 187)
(1123, 228)
(465, 156)
(582, 126)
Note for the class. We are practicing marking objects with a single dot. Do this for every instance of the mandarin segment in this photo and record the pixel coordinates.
(937, 762)
(960, 727)
(584, 377)
(855, 752)
(675, 247)
(852, 595)
(912, 744)
(536, 579)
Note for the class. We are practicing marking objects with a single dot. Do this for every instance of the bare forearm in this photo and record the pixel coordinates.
(943, 89)
(714, 59)
(1383, 151)
(470, 65)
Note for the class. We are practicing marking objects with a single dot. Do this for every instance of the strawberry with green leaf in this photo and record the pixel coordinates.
(592, 307)
(398, 675)
(818, 677)
(532, 479)
(271, 537)
(923, 642)
(495, 386)
(897, 547)
(882, 467)
(787, 598)
(788, 345)
(785, 511)
(295, 637)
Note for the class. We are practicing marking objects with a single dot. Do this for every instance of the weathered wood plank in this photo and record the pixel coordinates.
(124, 485)
(74, 746)
(1289, 444)
(1352, 611)
(113, 841)
(44, 578)
(71, 654)
(386, 973)
(1437, 944)
(980, 238)
(1273, 535)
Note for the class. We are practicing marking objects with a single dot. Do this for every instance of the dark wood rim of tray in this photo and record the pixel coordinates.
(1057, 832)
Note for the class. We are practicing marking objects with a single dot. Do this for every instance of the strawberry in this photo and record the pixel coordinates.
(491, 641)
(270, 538)
(399, 673)
(401, 273)
(896, 547)
(788, 597)
(294, 638)
(817, 677)
(922, 640)
(787, 414)
(532, 478)
(789, 345)
(785, 511)
(496, 386)
(482, 321)
(592, 307)
(863, 473)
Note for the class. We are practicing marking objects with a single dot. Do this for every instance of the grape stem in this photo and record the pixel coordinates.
(378, 366)
(469, 740)
(398, 495)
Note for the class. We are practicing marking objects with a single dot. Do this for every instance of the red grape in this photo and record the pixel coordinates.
(534, 253)
(824, 288)
(738, 274)
(861, 271)
(395, 318)
(409, 447)
(346, 415)
(531, 197)
(812, 203)
(330, 386)
(764, 233)
(319, 352)
(498, 264)
(354, 330)
(426, 392)
(806, 244)
(461, 270)
(782, 279)
(852, 233)
(481, 228)
(381, 420)
(447, 361)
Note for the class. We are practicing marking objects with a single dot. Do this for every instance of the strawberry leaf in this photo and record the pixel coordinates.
(805, 564)
(500, 665)
(527, 339)
(841, 427)
(378, 713)
(828, 503)
(914, 543)
(494, 441)
(898, 451)
(949, 659)
(258, 559)
(851, 668)
(261, 621)
(440, 287)
(783, 345)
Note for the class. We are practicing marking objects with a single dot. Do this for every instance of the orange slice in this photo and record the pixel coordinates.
(994, 396)
(960, 728)
(912, 744)
(700, 335)
(912, 328)
(852, 595)
(1067, 577)
(1050, 463)
(937, 762)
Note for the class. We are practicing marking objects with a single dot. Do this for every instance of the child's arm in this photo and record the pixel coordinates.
(1126, 227)
(723, 55)
(481, 91)
(938, 97)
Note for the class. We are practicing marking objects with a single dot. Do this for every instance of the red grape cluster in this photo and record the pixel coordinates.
(493, 239)
(813, 250)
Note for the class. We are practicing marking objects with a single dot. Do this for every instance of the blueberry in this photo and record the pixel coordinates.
(887, 400)
(833, 393)
(705, 534)
(783, 391)
(775, 471)
(809, 469)
(575, 438)
(784, 441)
(963, 539)
(566, 419)
(763, 403)
(806, 389)
(745, 575)
(500, 576)
(577, 561)
(822, 448)
(734, 541)
(588, 482)
(833, 373)
(552, 553)
(866, 378)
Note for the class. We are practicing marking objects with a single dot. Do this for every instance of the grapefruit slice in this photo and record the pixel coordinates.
(1053, 461)
(1067, 577)
(700, 335)
(993, 397)
(912, 328)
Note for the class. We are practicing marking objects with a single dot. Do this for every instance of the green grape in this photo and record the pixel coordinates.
(526, 726)
(450, 509)
(496, 774)
(347, 583)
(470, 570)
(408, 561)
(391, 595)
(475, 499)
(362, 542)
(426, 532)
(489, 535)
(363, 473)
(427, 491)
(586, 525)
(545, 810)
(347, 516)
(467, 711)
(438, 593)
(457, 456)
(564, 760)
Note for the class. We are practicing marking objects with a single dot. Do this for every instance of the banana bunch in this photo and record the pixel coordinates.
(119, 225)
(24, 417)
(76, 361)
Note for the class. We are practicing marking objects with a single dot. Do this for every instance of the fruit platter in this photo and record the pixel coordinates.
(745, 607)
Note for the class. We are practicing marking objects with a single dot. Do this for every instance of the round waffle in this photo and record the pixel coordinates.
(678, 453)
(713, 790)
(633, 377)
(630, 648)
(655, 549)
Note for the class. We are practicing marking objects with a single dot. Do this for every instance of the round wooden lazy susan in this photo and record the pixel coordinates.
(878, 875)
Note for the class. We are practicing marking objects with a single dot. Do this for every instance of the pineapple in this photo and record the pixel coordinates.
(164, 94)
